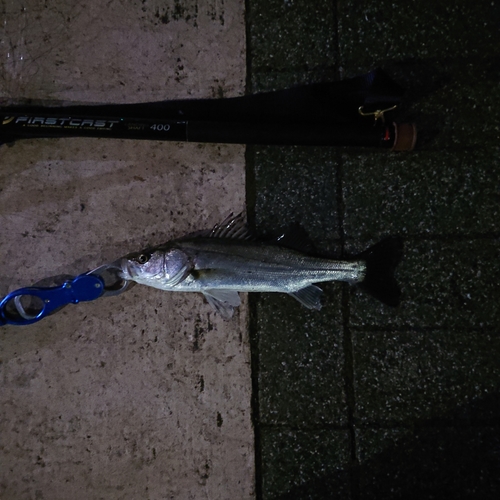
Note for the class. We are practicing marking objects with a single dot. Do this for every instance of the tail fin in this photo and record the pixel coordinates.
(381, 261)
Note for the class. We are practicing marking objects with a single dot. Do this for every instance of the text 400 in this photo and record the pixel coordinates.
(161, 127)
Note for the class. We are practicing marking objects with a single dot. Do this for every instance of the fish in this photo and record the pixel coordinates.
(228, 259)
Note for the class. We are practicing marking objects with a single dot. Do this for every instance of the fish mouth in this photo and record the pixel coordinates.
(126, 271)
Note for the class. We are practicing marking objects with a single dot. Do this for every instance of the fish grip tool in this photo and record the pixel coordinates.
(31, 304)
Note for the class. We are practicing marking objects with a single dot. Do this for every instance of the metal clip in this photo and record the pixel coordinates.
(378, 114)
(110, 275)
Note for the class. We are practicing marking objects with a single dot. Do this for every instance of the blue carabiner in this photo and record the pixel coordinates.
(43, 301)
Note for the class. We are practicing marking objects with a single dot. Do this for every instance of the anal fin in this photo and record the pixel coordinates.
(310, 296)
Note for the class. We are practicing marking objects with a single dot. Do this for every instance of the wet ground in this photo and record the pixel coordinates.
(361, 400)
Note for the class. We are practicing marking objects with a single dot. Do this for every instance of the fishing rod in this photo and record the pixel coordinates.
(344, 113)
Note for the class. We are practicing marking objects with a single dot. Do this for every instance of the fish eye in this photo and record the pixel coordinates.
(142, 258)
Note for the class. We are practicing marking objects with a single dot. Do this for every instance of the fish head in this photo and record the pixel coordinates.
(156, 267)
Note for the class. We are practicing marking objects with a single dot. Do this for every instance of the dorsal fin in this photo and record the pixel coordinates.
(295, 238)
(233, 227)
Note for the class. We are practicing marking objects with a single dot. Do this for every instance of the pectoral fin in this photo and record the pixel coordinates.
(223, 301)
(310, 296)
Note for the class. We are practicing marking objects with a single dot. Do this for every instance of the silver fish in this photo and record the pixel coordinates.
(226, 260)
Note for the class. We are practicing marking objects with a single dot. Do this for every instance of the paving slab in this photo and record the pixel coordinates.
(376, 32)
(409, 377)
(297, 185)
(445, 283)
(421, 194)
(430, 462)
(291, 42)
(297, 349)
(421, 381)
(305, 464)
